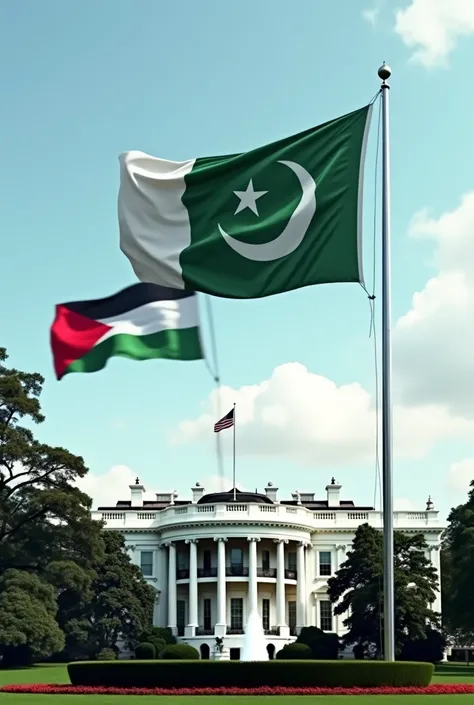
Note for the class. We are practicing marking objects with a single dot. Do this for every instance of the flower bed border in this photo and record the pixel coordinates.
(55, 689)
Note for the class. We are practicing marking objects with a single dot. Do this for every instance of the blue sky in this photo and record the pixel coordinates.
(84, 81)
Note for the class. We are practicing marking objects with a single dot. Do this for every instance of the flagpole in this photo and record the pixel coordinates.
(384, 74)
(233, 459)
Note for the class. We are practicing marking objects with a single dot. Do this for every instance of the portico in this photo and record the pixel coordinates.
(232, 577)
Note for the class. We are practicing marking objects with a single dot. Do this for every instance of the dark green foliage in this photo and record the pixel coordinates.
(180, 652)
(46, 531)
(457, 572)
(430, 649)
(144, 651)
(294, 651)
(106, 655)
(28, 628)
(358, 585)
(153, 634)
(120, 602)
(250, 674)
(160, 637)
(323, 646)
(44, 517)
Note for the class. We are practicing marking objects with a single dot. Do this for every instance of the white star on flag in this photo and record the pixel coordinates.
(248, 198)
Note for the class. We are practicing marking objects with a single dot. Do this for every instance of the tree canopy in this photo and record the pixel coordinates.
(358, 587)
(457, 572)
(65, 583)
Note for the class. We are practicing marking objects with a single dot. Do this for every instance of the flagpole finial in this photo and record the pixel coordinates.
(384, 72)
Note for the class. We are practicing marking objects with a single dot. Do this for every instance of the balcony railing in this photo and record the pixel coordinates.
(237, 571)
(324, 518)
(291, 575)
(266, 572)
(207, 572)
(182, 574)
(273, 631)
(200, 631)
(235, 630)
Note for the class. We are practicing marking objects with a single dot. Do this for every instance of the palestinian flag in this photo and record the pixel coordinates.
(142, 322)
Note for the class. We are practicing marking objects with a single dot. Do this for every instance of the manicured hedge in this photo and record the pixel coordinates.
(180, 652)
(250, 674)
(145, 651)
(294, 651)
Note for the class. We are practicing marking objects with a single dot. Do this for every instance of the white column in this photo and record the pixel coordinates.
(341, 551)
(300, 588)
(172, 617)
(280, 591)
(252, 596)
(221, 624)
(193, 589)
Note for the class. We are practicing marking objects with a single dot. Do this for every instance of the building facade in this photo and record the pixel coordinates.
(216, 558)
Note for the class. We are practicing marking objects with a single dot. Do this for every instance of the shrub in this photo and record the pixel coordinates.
(157, 634)
(430, 649)
(106, 655)
(250, 674)
(145, 651)
(180, 652)
(324, 646)
(295, 651)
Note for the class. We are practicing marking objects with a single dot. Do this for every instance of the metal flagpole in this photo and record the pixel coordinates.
(233, 459)
(384, 73)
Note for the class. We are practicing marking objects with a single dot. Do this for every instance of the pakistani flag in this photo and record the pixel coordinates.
(278, 218)
(142, 322)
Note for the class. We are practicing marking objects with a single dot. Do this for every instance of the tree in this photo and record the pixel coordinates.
(28, 628)
(358, 585)
(458, 563)
(116, 603)
(44, 517)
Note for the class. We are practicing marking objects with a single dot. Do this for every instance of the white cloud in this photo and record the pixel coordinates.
(306, 417)
(460, 475)
(109, 487)
(371, 15)
(403, 504)
(433, 27)
(434, 341)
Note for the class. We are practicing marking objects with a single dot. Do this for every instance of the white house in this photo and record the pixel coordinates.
(215, 558)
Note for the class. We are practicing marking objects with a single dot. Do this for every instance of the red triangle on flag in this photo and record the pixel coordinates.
(72, 336)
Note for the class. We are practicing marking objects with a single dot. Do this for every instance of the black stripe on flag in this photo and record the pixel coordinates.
(126, 300)
(226, 421)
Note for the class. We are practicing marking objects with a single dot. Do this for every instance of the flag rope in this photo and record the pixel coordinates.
(215, 374)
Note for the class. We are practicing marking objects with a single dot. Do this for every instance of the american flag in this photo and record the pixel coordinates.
(226, 421)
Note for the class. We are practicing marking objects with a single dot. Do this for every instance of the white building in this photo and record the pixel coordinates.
(215, 558)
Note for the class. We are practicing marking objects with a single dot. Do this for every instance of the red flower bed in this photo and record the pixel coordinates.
(50, 689)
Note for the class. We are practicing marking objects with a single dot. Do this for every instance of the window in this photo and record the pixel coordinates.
(206, 560)
(266, 614)
(236, 558)
(292, 561)
(146, 562)
(182, 561)
(207, 614)
(292, 617)
(325, 567)
(266, 560)
(180, 616)
(236, 613)
(325, 616)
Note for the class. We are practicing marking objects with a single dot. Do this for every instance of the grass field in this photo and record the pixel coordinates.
(447, 673)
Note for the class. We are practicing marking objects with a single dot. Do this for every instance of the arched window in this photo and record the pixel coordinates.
(271, 651)
(205, 652)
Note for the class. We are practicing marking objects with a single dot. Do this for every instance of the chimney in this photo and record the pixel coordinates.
(271, 492)
(197, 491)
(136, 494)
(333, 492)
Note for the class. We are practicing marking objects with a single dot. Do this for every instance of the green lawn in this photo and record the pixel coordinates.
(448, 673)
